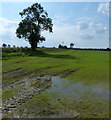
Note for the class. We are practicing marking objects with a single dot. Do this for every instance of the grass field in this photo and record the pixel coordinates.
(88, 68)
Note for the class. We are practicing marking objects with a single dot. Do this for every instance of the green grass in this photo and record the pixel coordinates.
(11, 92)
(43, 105)
(92, 67)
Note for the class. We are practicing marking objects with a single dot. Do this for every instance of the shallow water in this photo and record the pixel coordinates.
(78, 89)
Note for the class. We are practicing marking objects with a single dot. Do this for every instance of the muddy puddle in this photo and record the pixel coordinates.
(77, 90)
(56, 87)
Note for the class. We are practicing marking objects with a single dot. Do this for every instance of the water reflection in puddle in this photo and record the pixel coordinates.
(78, 89)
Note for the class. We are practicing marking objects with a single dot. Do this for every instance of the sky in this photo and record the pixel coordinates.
(86, 24)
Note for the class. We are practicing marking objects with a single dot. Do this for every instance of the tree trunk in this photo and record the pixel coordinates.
(33, 44)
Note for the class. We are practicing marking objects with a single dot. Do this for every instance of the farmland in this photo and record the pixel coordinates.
(55, 83)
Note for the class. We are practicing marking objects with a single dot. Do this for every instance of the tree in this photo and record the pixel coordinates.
(71, 45)
(60, 46)
(35, 20)
(65, 47)
(4, 45)
(9, 46)
(13, 46)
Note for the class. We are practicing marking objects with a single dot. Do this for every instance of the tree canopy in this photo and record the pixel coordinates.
(4, 45)
(35, 19)
(71, 45)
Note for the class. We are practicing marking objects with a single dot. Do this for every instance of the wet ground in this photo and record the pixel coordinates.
(64, 88)
(29, 88)
(77, 90)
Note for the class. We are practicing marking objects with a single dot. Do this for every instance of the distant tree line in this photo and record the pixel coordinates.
(99, 49)
(65, 47)
(60, 46)
(9, 46)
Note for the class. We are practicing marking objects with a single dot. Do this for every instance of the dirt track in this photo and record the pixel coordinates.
(30, 90)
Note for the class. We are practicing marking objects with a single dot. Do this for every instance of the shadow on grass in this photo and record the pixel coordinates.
(40, 53)
(9, 53)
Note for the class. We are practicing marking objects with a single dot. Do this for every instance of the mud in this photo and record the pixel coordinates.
(30, 90)
(13, 71)
(33, 86)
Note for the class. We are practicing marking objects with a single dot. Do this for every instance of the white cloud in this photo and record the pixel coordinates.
(81, 38)
(82, 25)
(64, 33)
(88, 26)
(7, 33)
(88, 34)
(99, 28)
(94, 35)
(103, 8)
(60, 19)
(7, 26)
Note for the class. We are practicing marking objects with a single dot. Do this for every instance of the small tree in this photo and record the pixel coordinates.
(9, 46)
(4, 45)
(108, 49)
(71, 45)
(60, 46)
(35, 20)
(13, 46)
(65, 47)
